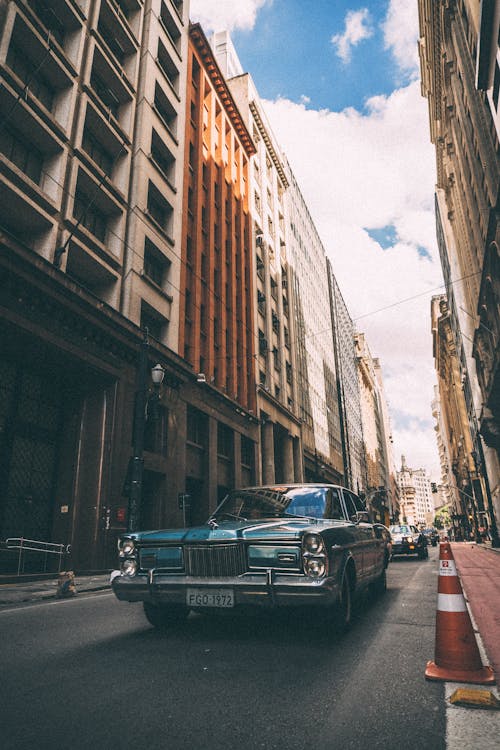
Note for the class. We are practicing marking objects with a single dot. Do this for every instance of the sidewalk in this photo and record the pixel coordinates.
(29, 591)
(478, 567)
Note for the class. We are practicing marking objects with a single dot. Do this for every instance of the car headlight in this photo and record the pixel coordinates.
(126, 547)
(313, 543)
(129, 567)
(315, 567)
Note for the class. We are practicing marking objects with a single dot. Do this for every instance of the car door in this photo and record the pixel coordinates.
(366, 536)
(357, 535)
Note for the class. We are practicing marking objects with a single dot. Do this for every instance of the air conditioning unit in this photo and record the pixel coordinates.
(201, 378)
(259, 239)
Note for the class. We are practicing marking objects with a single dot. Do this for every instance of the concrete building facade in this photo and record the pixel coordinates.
(348, 389)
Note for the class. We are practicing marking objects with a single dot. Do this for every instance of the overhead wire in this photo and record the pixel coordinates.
(130, 249)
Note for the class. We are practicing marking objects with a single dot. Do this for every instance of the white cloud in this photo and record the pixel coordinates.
(377, 170)
(399, 34)
(357, 28)
(219, 15)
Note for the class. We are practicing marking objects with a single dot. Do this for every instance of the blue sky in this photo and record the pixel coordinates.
(340, 85)
(290, 54)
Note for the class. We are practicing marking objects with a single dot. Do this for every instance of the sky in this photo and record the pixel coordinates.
(340, 86)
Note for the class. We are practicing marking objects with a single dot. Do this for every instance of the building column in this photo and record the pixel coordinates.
(268, 472)
(288, 470)
(211, 475)
(298, 464)
(237, 481)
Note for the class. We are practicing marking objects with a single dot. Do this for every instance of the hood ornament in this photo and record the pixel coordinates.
(213, 523)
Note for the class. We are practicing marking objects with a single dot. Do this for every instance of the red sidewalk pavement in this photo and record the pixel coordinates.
(478, 567)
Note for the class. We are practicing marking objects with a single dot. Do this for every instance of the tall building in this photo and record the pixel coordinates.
(447, 490)
(417, 505)
(469, 511)
(91, 160)
(376, 441)
(348, 389)
(288, 449)
(216, 333)
(316, 366)
(460, 78)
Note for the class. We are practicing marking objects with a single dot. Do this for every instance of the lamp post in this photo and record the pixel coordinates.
(141, 400)
(136, 474)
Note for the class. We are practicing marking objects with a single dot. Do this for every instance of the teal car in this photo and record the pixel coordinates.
(302, 546)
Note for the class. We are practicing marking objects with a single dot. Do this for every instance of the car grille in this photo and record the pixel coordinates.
(207, 560)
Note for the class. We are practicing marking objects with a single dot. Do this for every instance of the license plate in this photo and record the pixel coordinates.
(210, 598)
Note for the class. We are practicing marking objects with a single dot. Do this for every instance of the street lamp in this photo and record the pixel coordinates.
(157, 375)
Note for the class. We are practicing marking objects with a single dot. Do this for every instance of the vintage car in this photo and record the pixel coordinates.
(303, 546)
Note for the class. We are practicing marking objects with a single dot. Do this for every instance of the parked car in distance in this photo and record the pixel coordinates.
(408, 540)
(431, 535)
(298, 546)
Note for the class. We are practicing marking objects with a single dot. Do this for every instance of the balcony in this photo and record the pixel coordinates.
(37, 73)
(118, 39)
(110, 91)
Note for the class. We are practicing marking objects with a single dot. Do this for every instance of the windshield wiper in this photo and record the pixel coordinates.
(225, 514)
(307, 518)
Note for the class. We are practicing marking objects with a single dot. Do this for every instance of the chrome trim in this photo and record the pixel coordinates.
(219, 560)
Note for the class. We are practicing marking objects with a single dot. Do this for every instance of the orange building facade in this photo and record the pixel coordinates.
(216, 334)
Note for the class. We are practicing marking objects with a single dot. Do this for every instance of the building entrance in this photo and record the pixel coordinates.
(30, 421)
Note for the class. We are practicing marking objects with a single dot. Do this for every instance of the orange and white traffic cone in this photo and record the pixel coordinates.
(457, 657)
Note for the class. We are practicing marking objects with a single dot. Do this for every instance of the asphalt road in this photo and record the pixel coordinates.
(91, 673)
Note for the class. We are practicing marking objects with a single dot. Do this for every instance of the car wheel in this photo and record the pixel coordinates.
(163, 616)
(342, 613)
(379, 586)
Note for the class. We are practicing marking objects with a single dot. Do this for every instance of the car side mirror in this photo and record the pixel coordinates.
(360, 517)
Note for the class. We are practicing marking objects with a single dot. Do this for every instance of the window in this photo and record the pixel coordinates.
(153, 321)
(97, 152)
(165, 110)
(168, 67)
(335, 510)
(159, 209)
(89, 216)
(170, 26)
(50, 19)
(156, 266)
(247, 452)
(21, 153)
(28, 72)
(196, 427)
(224, 441)
(162, 157)
(262, 343)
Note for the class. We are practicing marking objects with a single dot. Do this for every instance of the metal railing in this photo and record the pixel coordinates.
(34, 547)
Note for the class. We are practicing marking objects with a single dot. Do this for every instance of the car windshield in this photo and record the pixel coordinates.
(280, 502)
(400, 530)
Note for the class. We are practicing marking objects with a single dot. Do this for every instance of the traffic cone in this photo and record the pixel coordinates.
(457, 657)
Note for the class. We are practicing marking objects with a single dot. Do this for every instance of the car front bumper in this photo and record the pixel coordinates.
(266, 589)
(405, 549)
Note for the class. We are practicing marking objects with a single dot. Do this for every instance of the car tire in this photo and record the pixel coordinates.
(342, 613)
(379, 586)
(164, 616)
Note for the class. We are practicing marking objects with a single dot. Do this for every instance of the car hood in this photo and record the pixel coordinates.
(276, 529)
